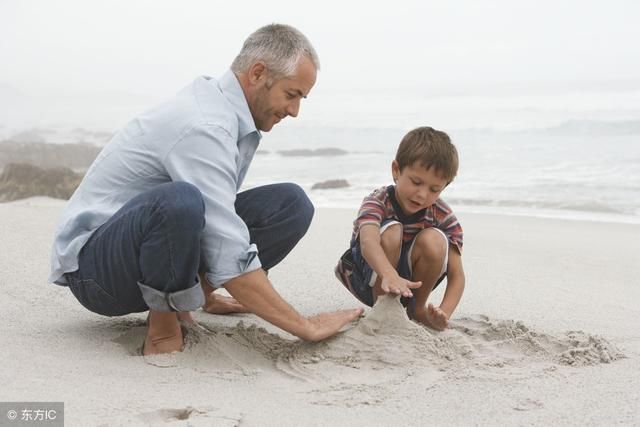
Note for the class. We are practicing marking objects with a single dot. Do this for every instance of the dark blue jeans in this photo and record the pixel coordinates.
(148, 254)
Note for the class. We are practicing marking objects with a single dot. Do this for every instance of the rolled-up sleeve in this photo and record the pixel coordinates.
(206, 156)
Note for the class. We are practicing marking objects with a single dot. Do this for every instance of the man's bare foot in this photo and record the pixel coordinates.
(220, 304)
(185, 317)
(164, 334)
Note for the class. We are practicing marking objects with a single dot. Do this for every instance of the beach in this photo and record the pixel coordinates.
(546, 334)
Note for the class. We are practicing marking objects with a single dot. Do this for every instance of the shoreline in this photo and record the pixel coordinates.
(560, 214)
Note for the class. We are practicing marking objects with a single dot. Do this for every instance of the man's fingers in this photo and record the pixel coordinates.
(355, 313)
(328, 324)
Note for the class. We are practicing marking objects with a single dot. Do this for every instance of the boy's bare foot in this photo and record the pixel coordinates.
(164, 334)
(220, 304)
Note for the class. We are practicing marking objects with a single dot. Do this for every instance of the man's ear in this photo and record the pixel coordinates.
(257, 73)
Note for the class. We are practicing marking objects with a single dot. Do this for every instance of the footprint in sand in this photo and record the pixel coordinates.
(190, 416)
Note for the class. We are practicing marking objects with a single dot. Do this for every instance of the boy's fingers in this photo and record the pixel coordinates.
(407, 293)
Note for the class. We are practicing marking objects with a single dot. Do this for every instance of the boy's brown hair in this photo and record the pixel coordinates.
(430, 147)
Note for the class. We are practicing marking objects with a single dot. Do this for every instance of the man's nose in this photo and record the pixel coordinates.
(293, 108)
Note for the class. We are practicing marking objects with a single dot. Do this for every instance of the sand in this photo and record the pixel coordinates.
(547, 333)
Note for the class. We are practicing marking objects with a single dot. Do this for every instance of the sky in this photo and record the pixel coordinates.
(101, 61)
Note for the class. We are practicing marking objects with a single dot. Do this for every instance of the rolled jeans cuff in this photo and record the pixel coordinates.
(189, 299)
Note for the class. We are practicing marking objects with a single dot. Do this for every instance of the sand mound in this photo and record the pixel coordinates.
(381, 352)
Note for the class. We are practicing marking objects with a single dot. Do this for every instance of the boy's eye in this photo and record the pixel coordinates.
(415, 182)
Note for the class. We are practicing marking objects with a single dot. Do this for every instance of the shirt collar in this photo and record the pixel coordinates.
(232, 90)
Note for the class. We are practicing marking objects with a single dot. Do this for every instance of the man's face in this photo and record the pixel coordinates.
(417, 187)
(275, 100)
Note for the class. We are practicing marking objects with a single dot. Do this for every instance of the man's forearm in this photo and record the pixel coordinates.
(254, 291)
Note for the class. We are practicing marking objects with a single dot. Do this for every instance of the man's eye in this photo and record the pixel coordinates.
(290, 95)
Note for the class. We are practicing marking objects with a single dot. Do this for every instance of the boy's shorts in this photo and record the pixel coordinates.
(358, 277)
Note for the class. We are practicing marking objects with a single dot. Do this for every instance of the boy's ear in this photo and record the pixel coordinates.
(395, 170)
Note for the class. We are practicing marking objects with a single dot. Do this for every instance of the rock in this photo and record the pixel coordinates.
(21, 180)
(330, 184)
(313, 153)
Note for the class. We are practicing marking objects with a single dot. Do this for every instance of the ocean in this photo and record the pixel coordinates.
(561, 155)
(579, 170)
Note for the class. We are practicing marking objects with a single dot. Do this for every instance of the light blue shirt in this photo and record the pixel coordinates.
(206, 136)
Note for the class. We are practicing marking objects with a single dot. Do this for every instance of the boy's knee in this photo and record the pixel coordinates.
(431, 244)
(391, 237)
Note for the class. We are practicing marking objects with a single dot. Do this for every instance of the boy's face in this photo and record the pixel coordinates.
(416, 187)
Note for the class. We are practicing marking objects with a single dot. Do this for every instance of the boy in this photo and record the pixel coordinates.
(406, 239)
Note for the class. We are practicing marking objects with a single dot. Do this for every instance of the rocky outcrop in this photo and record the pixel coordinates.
(330, 184)
(73, 156)
(20, 180)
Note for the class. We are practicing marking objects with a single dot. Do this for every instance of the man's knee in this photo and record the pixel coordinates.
(301, 207)
(185, 206)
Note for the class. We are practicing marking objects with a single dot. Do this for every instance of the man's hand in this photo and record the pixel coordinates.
(325, 325)
(394, 284)
(254, 291)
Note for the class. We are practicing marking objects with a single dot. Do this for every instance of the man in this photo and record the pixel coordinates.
(160, 203)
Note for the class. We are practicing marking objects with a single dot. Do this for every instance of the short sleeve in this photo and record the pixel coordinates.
(372, 210)
(448, 222)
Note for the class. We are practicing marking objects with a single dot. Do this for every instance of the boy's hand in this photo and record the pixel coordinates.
(398, 286)
(433, 317)
(437, 318)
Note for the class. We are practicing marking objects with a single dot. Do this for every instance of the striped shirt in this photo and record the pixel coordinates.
(382, 205)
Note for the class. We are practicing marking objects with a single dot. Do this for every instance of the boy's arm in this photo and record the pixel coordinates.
(375, 256)
(455, 282)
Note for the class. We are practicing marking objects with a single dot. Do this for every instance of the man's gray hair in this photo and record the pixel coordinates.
(280, 47)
